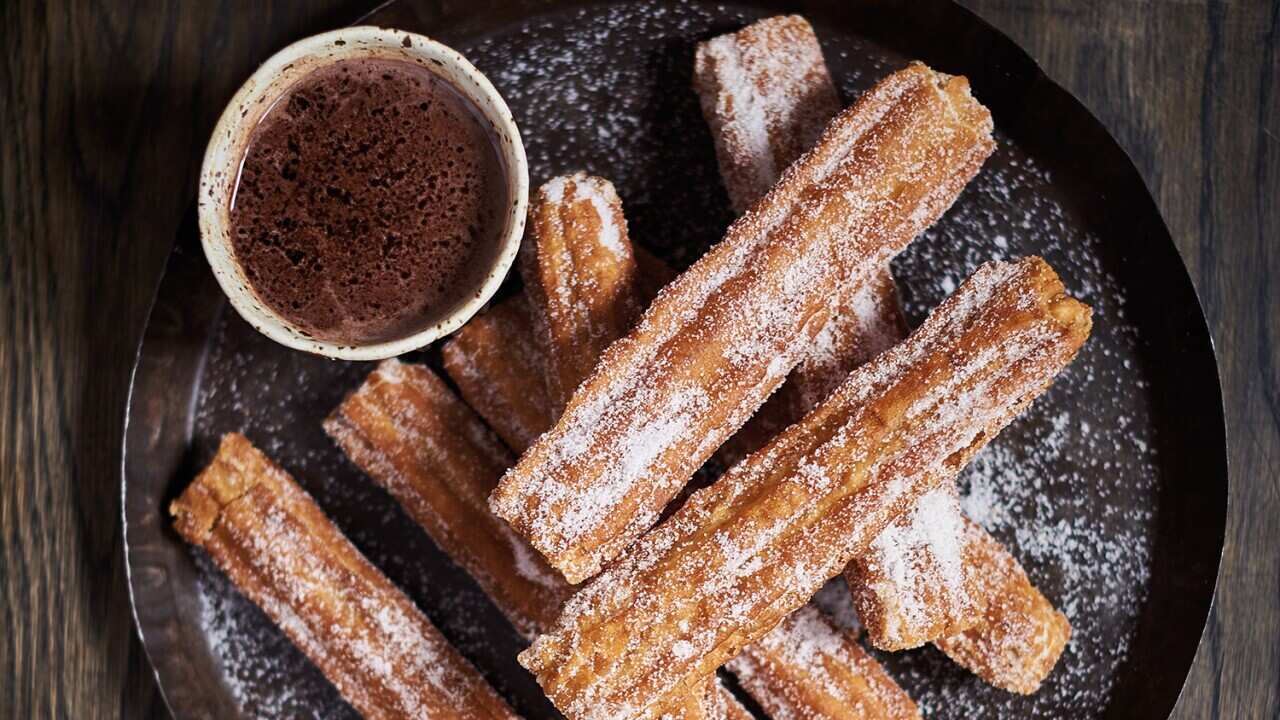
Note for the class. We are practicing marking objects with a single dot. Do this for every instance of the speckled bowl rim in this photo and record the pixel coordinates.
(225, 151)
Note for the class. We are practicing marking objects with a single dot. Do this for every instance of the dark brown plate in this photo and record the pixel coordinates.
(1112, 489)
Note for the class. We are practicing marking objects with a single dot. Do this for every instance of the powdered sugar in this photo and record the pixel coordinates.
(808, 669)
(912, 584)
(1069, 488)
(767, 96)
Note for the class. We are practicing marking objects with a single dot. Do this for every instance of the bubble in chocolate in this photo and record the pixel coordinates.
(371, 195)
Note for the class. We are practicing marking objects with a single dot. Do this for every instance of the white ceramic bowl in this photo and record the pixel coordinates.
(231, 135)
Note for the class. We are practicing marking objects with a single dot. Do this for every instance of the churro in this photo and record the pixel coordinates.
(744, 552)
(762, 88)
(1021, 635)
(917, 582)
(787, 676)
(268, 535)
(498, 368)
(808, 668)
(766, 94)
(409, 433)
(579, 275)
(722, 336)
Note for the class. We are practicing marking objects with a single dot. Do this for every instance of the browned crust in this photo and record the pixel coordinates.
(1021, 635)
(767, 95)
(808, 668)
(918, 582)
(498, 368)
(579, 275)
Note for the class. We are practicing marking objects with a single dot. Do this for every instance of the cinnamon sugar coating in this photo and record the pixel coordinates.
(579, 275)
(917, 581)
(1021, 635)
(498, 368)
(409, 433)
(808, 669)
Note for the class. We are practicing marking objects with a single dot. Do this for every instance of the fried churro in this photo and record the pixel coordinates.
(766, 94)
(409, 433)
(273, 541)
(761, 90)
(722, 336)
(786, 672)
(808, 668)
(744, 552)
(1021, 635)
(917, 581)
(498, 368)
(787, 677)
(579, 275)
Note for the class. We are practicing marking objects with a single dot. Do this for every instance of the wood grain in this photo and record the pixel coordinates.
(105, 113)
(106, 109)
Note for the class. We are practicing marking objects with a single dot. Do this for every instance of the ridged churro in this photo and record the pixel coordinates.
(788, 676)
(762, 89)
(1021, 635)
(722, 336)
(766, 94)
(807, 668)
(268, 535)
(498, 368)
(744, 552)
(579, 275)
(917, 581)
(409, 433)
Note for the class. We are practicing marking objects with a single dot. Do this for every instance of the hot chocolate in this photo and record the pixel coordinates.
(370, 194)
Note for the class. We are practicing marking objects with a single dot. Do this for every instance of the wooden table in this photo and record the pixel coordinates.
(105, 115)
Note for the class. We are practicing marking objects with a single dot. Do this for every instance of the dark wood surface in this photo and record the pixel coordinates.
(105, 112)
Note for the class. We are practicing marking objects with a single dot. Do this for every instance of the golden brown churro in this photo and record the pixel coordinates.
(408, 432)
(762, 89)
(720, 704)
(1021, 635)
(788, 676)
(579, 275)
(767, 94)
(498, 367)
(268, 535)
(808, 668)
(721, 337)
(917, 582)
(744, 552)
